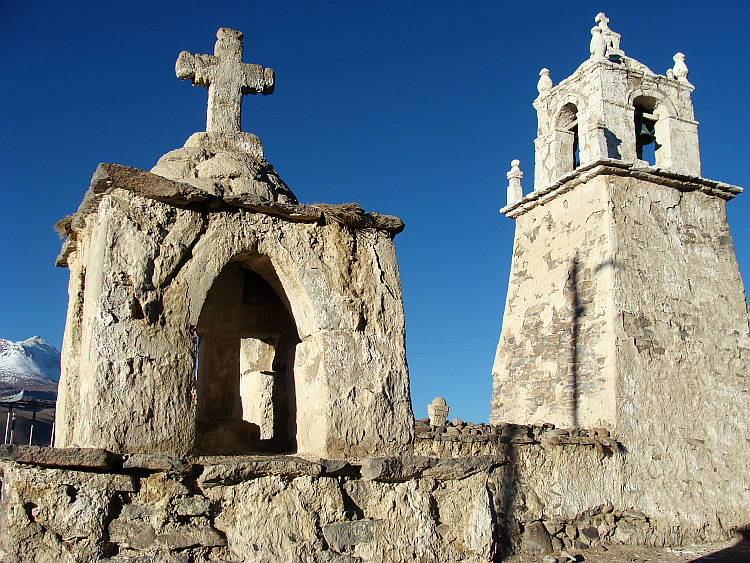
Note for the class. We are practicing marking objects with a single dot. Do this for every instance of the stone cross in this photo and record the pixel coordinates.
(611, 39)
(603, 21)
(227, 79)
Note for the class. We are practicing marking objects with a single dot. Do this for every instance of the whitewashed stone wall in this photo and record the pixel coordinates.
(554, 364)
(604, 92)
(625, 307)
(662, 350)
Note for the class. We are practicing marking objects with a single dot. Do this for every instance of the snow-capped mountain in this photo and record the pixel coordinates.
(31, 361)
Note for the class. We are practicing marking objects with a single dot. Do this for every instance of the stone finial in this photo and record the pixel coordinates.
(598, 45)
(611, 39)
(545, 82)
(680, 69)
(227, 79)
(438, 411)
(515, 192)
(602, 21)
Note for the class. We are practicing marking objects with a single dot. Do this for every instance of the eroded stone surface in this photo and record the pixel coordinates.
(541, 496)
(141, 270)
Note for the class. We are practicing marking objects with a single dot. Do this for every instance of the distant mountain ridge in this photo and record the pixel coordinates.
(28, 362)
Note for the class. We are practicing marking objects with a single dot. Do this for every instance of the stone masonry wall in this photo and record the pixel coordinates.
(683, 354)
(668, 314)
(143, 252)
(532, 496)
(554, 363)
(525, 489)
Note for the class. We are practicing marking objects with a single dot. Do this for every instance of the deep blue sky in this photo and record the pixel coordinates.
(408, 108)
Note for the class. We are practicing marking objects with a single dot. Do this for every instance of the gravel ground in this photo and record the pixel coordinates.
(736, 551)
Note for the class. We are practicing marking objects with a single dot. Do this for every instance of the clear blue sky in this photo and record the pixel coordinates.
(408, 108)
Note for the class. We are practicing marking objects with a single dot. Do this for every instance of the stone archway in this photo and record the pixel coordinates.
(245, 367)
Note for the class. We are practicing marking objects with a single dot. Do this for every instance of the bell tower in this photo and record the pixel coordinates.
(625, 305)
(613, 107)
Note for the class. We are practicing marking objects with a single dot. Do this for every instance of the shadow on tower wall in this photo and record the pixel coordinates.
(577, 311)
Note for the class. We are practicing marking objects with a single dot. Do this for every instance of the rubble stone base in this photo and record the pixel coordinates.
(534, 493)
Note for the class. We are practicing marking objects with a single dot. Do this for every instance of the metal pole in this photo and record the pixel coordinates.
(7, 424)
(33, 421)
(12, 427)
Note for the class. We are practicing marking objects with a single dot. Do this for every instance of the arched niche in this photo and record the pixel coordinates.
(644, 122)
(247, 337)
(567, 140)
(675, 140)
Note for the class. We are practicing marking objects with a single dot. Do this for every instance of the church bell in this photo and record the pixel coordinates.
(645, 137)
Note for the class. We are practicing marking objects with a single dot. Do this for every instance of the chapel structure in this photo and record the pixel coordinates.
(625, 307)
(211, 313)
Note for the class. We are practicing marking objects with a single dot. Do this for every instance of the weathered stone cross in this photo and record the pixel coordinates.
(227, 79)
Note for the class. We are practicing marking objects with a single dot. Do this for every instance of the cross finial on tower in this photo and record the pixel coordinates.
(227, 79)
(610, 39)
(603, 21)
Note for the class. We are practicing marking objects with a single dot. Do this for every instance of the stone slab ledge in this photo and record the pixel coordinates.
(230, 470)
(73, 458)
(109, 177)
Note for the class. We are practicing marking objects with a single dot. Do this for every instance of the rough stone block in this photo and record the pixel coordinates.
(343, 535)
(535, 539)
(249, 468)
(192, 506)
(84, 458)
(156, 463)
(132, 534)
(191, 536)
(479, 535)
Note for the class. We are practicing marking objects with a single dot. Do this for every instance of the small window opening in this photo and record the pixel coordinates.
(645, 131)
(576, 152)
(568, 140)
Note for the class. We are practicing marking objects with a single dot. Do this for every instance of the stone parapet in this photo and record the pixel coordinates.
(542, 492)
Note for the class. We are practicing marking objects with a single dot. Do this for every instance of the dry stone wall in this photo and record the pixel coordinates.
(536, 497)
